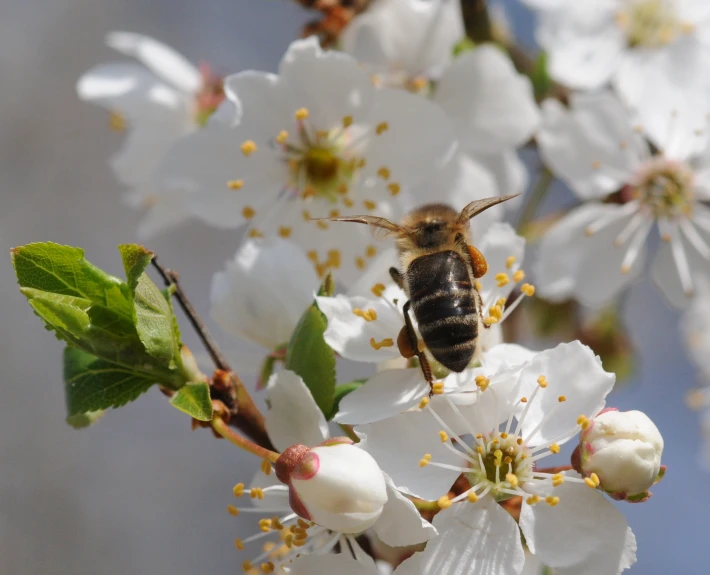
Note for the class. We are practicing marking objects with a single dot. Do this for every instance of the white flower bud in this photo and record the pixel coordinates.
(337, 485)
(623, 448)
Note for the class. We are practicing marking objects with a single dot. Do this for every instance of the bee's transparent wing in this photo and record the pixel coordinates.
(478, 206)
(381, 228)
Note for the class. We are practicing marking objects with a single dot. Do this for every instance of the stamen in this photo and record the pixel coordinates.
(266, 467)
(424, 461)
(248, 148)
(248, 213)
(444, 502)
(235, 184)
(282, 137)
(387, 342)
(510, 261)
(302, 114)
(384, 173)
(238, 490)
(552, 500)
(378, 289)
(443, 436)
(394, 188)
(381, 128)
(347, 121)
(232, 510)
(285, 232)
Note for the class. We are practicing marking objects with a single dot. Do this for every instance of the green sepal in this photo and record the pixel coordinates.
(93, 384)
(83, 420)
(194, 399)
(309, 356)
(464, 45)
(540, 78)
(341, 391)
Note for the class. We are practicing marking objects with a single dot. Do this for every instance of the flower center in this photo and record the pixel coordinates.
(210, 96)
(650, 23)
(665, 188)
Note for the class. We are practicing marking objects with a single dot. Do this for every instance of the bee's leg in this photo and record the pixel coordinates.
(478, 261)
(397, 277)
(408, 344)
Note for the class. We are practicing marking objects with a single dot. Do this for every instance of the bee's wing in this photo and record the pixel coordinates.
(380, 227)
(478, 206)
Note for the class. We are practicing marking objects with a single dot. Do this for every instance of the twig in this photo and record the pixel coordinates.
(171, 278)
(226, 432)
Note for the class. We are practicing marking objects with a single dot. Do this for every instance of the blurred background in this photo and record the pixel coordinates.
(140, 492)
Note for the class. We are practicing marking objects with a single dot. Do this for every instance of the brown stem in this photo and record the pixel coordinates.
(171, 278)
(230, 435)
(476, 20)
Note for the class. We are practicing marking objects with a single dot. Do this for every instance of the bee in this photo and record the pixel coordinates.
(335, 16)
(438, 269)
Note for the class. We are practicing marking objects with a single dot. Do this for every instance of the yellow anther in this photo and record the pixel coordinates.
(510, 261)
(268, 567)
(248, 148)
(302, 113)
(528, 289)
(285, 231)
(239, 544)
(443, 436)
(299, 542)
(248, 213)
(256, 493)
(235, 184)
(306, 215)
(265, 525)
(482, 382)
(369, 205)
(551, 500)
(554, 448)
(477, 285)
(518, 276)
(490, 320)
(238, 490)
(342, 189)
(523, 400)
(347, 121)
(532, 500)
(247, 566)
(423, 462)
(479, 449)
(361, 163)
(583, 422)
(378, 289)
(276, 524)
(496, 312)
(371, 251)
(503, 435)
(377, 345)
(562, 398)
(590, 482)
(502, 279)
(512, 479)
(437, 388)
(595, 478)
(312, 255)
(394, 188)
(334, 258)
(282, 137)
(117, 122)
(471, 497)
(348, 202)
(500, 302)
(381, 128)
(444, 502)
(360, 263)
(384, 173)
(322, 224)
(232, 510)
(369, 315)
(322, 134)
(498, 454)
(558, 479)
(596, 164)
(334, 213)
(424, 402)
(266, 467)
(542, 381)
(303, 524)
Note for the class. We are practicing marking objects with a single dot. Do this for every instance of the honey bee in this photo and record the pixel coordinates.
(438, 269)
(335, 16)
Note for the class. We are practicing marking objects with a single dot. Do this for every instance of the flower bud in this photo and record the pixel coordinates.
(623, 449)
(336, 485)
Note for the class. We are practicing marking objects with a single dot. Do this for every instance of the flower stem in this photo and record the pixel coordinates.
(423, 505)
(535, 198)
(232, 436)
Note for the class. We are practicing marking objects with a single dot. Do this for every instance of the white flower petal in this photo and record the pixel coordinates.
(167, 211)
(510, 174)
(419, 136)
(584, 528)
(293, 415)
(248, 297)
(695, 327)
(390, 443)
(349, 334)
(377, 273)
(342, 564)
(490, 104)
(159, 58)
(573, 371)
(400, 523)
(387, 393)
(473, 538)
(498, 244)
(592, 146)
(329, 84)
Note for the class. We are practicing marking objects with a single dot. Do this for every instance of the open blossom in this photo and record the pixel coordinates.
(317, 140)
(344, 496)
(158, 101)
(249, 300)
(365, 328)
(598, 248)
(640, 46)
(496, 437)
(623, 449)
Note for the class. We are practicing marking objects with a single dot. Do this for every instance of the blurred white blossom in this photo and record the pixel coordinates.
(597, 249)
(158, 101)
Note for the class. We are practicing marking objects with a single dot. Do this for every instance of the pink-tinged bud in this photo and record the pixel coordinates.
(623, 449)
(336, 485)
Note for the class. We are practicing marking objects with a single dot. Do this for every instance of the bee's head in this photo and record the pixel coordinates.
(432, 226)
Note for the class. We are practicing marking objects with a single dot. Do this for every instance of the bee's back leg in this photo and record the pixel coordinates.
(408, 344)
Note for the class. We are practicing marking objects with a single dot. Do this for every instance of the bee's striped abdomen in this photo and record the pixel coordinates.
(445, 305)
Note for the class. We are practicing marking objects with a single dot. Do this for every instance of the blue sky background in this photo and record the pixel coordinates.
(140, 492)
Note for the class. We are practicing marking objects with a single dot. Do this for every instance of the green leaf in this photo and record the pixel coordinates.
(93, 384)
(82, 420)
(194, 399)
(341, 391)
(310, 357)
(153, 314)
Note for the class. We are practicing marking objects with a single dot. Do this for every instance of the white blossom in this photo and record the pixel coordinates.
(315, 141)
(695, 327)
(496, 436)
(597, 249)
(623, 449)
(158, 101)
(640, 46)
